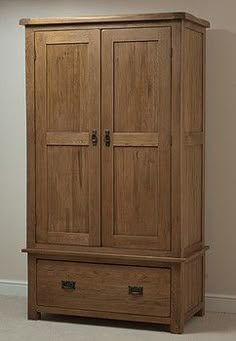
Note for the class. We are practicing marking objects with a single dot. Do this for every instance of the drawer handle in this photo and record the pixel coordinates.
(68, 284)
(136, 291)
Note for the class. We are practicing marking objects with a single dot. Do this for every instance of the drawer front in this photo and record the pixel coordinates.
(110, 288)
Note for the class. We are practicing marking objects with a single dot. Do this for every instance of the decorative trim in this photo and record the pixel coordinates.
(221, 303)
(214, 302)
(13, 288)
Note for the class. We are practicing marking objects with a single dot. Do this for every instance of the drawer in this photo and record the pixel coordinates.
(108, 288)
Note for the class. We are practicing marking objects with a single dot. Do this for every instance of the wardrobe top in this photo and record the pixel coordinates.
(115, 18)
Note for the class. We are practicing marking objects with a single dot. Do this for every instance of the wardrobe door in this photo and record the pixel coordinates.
(67, 81)
(136, 116)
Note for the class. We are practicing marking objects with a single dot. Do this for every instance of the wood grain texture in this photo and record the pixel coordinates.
(116, 18)
(32, 312)
(133, 217)
(177, 299)
(135, 139)
(106, 25)
(67, 139)
(176, 129)
(104, 315)
(193, 80)
(192, 195)
(105, 257)
(68, 185)
(68, 177)
(137, 176)
(104, 288)
(110, 255)
(68, 238)
(196, 311)
(30, 114)
(193, 284)
(201, 311)
(136, 85)
(204, 145)
(193, 137)
(67, 83)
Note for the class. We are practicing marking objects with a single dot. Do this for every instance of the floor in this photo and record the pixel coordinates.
(15, 327)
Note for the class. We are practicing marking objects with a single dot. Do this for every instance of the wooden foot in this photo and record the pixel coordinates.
(201, 312)
(34, 315)
(177, 328)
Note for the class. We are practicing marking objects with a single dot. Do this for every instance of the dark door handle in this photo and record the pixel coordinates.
(94, 137)
(134, 290)
(107, 139)
(68, 284)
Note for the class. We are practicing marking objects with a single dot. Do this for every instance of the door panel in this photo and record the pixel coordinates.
(136, 108)
(67, 87)
(130, 165)
(67, 109)
(68, 182)
(135, 86)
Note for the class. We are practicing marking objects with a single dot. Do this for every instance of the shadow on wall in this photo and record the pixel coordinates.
(221, 160)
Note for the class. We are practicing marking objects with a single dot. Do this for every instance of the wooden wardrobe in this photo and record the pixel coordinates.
(115, 167)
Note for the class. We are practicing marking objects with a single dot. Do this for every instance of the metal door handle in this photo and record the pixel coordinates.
(134, 290)
(68, 285)
(107, 139)
(94, 137)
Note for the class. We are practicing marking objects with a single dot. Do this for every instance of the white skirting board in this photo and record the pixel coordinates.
(221, 303)
(214, 302)
(13, 288)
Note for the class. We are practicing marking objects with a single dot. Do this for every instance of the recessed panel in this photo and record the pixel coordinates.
(68, 206)
(193, 81)
(135, 191)
(192, 195)
(67, 87)
(193, 283)
(136, 86)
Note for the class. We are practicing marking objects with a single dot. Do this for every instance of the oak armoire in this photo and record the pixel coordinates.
(115, 166)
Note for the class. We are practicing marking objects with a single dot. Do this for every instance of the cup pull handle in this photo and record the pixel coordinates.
(134, 290)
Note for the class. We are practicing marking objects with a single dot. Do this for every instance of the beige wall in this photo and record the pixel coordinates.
(221, 124)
